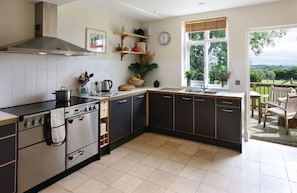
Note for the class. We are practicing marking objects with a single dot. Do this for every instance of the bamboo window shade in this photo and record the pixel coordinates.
(206, 24)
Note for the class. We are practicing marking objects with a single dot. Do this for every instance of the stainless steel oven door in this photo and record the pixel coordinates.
(82, 130)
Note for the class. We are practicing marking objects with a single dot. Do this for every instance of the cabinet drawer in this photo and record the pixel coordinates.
(7, 150)
(7, 178)
(228, 102)
(6, 130)
(103, 109)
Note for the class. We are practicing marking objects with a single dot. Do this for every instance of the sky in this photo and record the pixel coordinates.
(283, 53)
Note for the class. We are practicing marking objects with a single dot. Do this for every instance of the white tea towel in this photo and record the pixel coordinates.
(58, 125)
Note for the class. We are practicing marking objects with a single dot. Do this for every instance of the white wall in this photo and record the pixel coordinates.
(26, 78)
(240, 20)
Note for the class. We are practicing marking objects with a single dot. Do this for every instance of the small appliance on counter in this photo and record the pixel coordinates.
(106, 85)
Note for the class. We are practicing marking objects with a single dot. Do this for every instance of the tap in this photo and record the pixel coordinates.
(203, 87)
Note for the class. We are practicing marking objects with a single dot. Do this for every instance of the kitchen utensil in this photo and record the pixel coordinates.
(63, 95)
(106, 85)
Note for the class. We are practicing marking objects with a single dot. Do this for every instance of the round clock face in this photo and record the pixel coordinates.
(164, 38)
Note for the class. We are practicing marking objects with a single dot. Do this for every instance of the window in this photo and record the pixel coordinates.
(206, 52)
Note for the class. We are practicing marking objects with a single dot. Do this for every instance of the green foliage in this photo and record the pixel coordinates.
(190, 74)
(260, 40)
(255, 77)
(142, 68)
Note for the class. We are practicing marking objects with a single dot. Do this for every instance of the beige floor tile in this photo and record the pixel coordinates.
(200, 163)
(161, 178)
(111, 190)
(275, 171)
(222, 169)
(180, 157)
(206, 154)
(183, 185)
(92, 169)
(136, 156)
(72, 181)
(126, 183)
(292, 175)
(247, 176)
(240, 186)
(147, 187)
(273, 160)
(108, 175)
(246, 164)
(123, 164)
(121, 151)
(273, 184)
(217, 181)
(141, 171)
(203, 188)
(154, 161)
(227, 157)
(54, 189)
(109, 159)
(193, 173)
(293, 187)
(172, 167)
(90, 186)
(291, 164)
(188, 148)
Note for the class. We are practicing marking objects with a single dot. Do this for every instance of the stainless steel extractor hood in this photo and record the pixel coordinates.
(46, 41)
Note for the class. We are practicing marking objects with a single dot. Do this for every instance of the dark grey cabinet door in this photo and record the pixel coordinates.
(229, 123)
(139, 112)
(7, 158)
(161, 110)
(204, 109)
(120, 118)
(184, 113)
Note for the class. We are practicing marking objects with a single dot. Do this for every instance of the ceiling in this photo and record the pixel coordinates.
(146, 10)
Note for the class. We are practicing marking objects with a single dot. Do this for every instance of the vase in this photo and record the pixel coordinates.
(83, 89)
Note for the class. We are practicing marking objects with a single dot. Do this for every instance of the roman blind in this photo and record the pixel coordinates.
(206, 24)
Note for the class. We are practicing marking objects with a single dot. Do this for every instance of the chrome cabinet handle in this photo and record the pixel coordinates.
(140, 97)
(81, 152)
(167, 97)
(186, 99)
(227, 102)
(227, 110)
(200, 100)
(122, 101)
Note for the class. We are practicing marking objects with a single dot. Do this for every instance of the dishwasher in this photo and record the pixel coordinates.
(82, 130)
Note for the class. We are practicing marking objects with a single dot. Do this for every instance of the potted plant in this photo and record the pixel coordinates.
(190, 75)
(142, 68)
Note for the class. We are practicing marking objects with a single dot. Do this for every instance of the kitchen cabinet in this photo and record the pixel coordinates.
(130, 35)
(139, 112)
(204, 110)
(229, 119)
(161, 110)
(184, 113)
(120, 118)
(8, 158)
(104, 124)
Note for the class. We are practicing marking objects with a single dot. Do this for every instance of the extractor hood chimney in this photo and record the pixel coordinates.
(46, 41)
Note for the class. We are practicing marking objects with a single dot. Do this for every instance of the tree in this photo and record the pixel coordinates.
(260, 40)
(255, 77)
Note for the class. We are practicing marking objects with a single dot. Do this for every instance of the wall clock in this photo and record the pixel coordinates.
(164, 38)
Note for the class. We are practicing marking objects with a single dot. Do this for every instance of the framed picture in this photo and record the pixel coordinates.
(95, 40)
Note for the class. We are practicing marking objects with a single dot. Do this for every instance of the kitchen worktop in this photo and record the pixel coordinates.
(7, 118)
(176, 90)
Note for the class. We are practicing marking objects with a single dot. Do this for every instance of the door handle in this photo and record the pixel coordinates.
(186, 99)
(140, 97)
(167, 97)
(227, 110)
(200, 100)
(71, 157)
(227, 102)
(122, 101)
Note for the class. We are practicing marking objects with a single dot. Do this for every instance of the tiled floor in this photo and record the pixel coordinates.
(153, 163)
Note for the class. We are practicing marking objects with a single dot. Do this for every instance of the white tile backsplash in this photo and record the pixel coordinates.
(29, 78)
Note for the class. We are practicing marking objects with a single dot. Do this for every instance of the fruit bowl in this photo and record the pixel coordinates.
(137, 83)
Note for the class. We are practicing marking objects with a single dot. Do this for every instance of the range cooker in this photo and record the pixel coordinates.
(40, 160)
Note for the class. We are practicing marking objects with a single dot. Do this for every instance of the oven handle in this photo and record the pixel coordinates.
(81, 152)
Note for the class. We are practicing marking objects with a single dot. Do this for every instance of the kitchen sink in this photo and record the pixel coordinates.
(200, 91)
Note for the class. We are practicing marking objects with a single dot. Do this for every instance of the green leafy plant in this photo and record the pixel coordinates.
(190, 74)
(142, 68)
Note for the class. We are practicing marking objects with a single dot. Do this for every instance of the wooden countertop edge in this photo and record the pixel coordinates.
(6, 118)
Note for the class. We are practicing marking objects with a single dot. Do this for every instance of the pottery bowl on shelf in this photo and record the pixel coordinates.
(137, 83)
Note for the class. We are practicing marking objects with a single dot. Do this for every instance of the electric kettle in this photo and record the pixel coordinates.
(106, 85)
